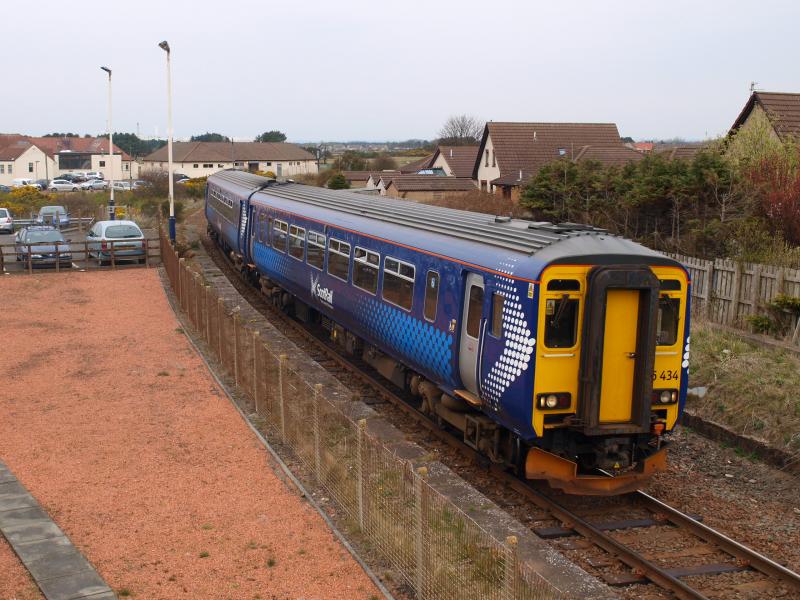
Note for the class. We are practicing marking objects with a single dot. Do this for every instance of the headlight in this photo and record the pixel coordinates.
(665, 396)
(554, 400)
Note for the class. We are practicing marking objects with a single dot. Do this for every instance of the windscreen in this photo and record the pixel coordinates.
(44, 236)
(123, 231)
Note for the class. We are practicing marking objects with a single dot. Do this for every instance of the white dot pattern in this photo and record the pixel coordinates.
(519, 341)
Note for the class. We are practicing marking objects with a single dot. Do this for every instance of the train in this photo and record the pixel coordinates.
(560, 351)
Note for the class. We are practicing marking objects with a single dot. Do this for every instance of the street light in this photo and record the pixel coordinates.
(165, 47)
(112, 211)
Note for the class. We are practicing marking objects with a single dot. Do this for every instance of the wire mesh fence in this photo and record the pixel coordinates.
(435, 548)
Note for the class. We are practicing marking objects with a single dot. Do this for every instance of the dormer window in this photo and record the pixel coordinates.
(562, 151)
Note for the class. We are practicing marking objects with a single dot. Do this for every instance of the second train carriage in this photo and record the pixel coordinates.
(557, 349)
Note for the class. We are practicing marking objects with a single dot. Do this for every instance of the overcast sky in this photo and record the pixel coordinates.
(378, 70)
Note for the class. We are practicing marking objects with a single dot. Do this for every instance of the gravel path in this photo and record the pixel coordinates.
(115, 425)
(15, 583)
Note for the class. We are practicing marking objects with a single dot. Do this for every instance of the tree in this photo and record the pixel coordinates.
(135, 146)
(210, 137)
(383, 162)
(350, 160)
(461, 130)
(338, 182)
(271, 136)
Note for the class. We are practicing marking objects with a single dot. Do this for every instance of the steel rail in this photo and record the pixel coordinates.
(628, 556)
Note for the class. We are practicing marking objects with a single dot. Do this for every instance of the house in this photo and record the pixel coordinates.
(74, 154)
(425, 162)
(679, 152)
(359, 179)
(374, 179)
(425, 188)
(455, 161)
(200, 159)
(781, 109)
(20, 159)
(511, 153)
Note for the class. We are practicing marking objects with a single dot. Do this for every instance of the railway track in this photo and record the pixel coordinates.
(624, 551)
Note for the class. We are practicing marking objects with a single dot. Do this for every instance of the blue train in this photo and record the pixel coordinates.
(558, 350)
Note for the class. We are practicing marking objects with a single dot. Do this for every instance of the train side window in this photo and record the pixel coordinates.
(365, 270)
(668, 319)
(297, 242)
(279, 231)
(398, 282)
(561, 322)
(563, 285)
(316, 249)
(670, 285)
(431, 295)
(338, 258)
(262, 220)
(497, 315)
(474, 311)
(269, 228)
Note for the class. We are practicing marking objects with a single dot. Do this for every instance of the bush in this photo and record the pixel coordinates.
(338, 182)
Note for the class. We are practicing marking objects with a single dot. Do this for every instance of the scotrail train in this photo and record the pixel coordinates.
(561, 351)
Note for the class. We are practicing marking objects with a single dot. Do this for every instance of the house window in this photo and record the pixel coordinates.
(2, 169)
(398, 283)
(10, 168)
(220, 166)
(236, 164)
(338, 258)
(208, 165)
(486, 164)
(494, 159)
(269, 164)
(30, 167)
(102, 163)
(195, 165)
(279, 231)
(483, 185)
(365, 270)
(127, 166)
(316, 249)
(431, 295)
(297, 241)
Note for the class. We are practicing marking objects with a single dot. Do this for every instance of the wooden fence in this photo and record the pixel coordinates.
(727, 292)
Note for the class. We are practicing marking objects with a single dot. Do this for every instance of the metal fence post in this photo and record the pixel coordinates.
(420, 510)
(360, 464)
(281, 368)
(256, 339)
(317, 453)
(236, 346)
(511, 573)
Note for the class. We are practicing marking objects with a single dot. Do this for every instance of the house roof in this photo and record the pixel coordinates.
(418, 165)
(460, 159)
(530, 146)
(617, 154)
(230, 151)
(356, 175)
(56, 145)
(430, 183)
(782, 108)
(13, 150)
(682, 152)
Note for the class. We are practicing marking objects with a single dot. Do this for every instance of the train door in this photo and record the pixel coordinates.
(472, 326)
(619, 355)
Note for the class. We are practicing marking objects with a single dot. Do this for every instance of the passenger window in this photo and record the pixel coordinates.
(365, 270)
(670, 285)
(398, 283)
(563, 285)
(668, 319)
(316, 249)
(297, 240)
(497, 315)
(279, 231)
(431, 295)
(561, 322)
(474, 311)
(338, 258)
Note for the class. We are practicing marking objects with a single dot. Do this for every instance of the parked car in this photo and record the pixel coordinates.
(54, 215)
(43, 246)
(43, 183)
(70, 177)
(4, 189)
(24, 182)
(124, 237)
(122, 186)
(6, 221)
(184, 180)
(139, 184)
(94, 175)
(63, 185)
(94, 184)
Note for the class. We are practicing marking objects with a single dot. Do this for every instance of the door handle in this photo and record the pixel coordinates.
(631, 354)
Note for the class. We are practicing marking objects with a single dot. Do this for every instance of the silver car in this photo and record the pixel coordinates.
(62, 185)
(94, 184)
(6, 221)
(124, 238)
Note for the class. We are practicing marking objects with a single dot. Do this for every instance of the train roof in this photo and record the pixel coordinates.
(518, 235)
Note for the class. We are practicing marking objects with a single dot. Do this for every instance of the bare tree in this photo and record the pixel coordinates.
(461, 130)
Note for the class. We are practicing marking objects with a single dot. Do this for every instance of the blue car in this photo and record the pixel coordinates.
(43, 246)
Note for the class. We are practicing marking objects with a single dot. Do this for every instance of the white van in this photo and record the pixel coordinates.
(18, 183)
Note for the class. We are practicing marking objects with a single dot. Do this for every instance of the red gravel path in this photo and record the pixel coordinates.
(114, 424)
(15, 583)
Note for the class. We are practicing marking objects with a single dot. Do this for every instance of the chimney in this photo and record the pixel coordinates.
(534, 136)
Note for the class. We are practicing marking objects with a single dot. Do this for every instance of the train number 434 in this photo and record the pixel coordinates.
(666, 375)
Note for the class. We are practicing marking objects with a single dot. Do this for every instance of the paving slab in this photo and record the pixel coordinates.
(57, 567)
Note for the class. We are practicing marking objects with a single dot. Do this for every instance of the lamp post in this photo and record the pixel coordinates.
(112, 210)
(165, 47)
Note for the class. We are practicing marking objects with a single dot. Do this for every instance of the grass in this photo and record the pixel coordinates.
(204, 554)
(751, 389)
(124, 592)
(162, 374)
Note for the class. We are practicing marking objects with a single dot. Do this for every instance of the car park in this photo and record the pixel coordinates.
(94, 175)
(4, 189)
(6, 221)
(122, 186)
(94, 184)
(24, 182)
(122, 237)
(63, 185)
(42, 246)
(53, 215)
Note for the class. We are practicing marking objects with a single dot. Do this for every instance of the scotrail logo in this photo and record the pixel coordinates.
(322, 294)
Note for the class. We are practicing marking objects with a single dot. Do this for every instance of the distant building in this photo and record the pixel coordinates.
(643, 147)
(69, 155)
(200, 159)
(22, 160)
(782, 109)
(456, 161)
(425, 188)
(511, 153)
(679, 151)
(426, 162)
(360, 179)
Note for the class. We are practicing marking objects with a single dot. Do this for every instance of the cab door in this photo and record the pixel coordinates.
(619, 355)
(472, 331)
